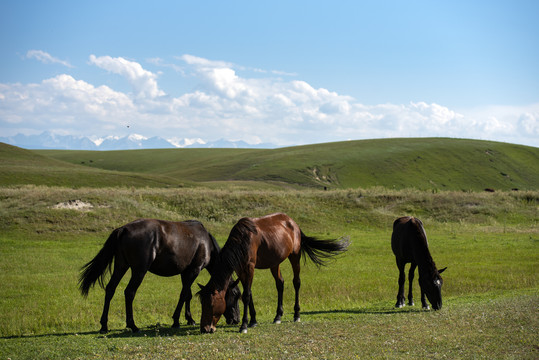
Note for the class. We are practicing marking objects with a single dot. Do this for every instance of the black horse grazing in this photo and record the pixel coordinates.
(262, 243)
(164, 248)
(409, 244)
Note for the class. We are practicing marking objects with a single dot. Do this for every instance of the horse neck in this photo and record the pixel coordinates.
(421, 253)
(234, 254)
(424, 261)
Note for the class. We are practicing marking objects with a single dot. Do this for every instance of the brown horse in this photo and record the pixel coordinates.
(409, 244)
(164, 248)
(262, 243)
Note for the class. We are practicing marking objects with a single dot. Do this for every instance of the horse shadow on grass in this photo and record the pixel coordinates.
(368, 311)
(159, 330)
(150, 331)
(163, 330)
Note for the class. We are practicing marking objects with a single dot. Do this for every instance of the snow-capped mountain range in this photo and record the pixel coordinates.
(48, 140)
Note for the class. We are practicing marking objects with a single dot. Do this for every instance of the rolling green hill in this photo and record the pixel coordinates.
(19, 166)
(423, 163)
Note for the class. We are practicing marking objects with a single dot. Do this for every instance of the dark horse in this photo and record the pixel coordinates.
(164, 248)
(409, 244)
(262, 243)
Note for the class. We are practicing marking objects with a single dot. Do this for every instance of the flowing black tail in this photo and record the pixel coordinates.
(320, 251)
(98, 267)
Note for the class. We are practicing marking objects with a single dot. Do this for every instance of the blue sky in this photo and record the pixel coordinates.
(284, 72)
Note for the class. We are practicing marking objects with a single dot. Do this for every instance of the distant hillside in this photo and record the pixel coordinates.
(19, 166)
(424, 163)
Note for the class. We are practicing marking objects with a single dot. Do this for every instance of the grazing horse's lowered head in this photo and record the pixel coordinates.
(432, 287)
(225, 302)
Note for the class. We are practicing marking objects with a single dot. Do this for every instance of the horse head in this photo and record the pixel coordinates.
(432, 287)
(216, 302)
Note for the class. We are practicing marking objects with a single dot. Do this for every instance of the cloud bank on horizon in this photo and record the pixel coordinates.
(237, 103)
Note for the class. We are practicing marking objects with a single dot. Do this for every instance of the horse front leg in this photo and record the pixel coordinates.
(410, 283)
(252, 312)
(186, 295)
(279, 284)
(248, 307)
(245, 297)
(400, 295)
(424, 302)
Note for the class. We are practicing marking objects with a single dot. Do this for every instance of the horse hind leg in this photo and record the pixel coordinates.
(279, 284)
(410, 283)
(130, 291)
(120, 268)
(295, 262)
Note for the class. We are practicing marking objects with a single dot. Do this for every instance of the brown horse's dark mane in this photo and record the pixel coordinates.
(234, 252)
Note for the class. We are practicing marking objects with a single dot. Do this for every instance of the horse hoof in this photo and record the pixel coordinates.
(134, 329)
(426, 307)
(411, 303)
(277, 321)
(297, 320)
(243, 331)
(103, 331)
(253, 324)
(398, 306)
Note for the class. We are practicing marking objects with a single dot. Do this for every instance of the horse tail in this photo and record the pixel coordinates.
(320, 251)
(95, 270)
(215, 243)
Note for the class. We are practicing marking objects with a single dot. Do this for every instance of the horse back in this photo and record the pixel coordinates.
(166, 248)
(277, 237)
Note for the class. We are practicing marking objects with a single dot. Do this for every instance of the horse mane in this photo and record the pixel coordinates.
(234, 253)
(426, 262)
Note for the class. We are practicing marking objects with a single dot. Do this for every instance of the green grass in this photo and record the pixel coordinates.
(426, 163)
(489, 241)
(501, 328)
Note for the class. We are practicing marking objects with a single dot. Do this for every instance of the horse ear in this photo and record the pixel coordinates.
(441, 271)
(200, 286)
(234, 284)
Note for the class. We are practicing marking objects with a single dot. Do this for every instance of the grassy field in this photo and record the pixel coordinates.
(489, 241)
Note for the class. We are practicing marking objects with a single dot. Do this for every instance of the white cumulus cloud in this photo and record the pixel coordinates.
(46, 58)
(227, 104)
(144, 82)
